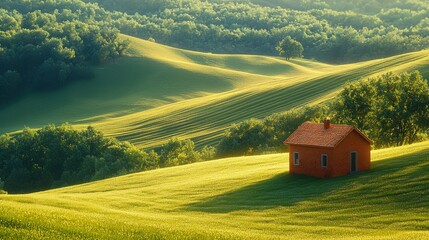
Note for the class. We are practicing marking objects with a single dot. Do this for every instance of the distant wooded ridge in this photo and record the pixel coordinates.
(45, 44)
(329, 30)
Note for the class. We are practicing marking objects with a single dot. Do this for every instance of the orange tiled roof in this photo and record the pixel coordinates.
(315, 134)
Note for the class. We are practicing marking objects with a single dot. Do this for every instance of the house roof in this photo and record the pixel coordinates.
(315, 134)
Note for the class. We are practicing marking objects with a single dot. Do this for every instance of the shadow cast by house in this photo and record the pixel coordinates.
(286, 190)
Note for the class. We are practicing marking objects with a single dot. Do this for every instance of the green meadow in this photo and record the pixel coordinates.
(234, 198)
(157, 92)
(149, 93)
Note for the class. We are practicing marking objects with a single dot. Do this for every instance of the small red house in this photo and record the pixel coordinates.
(328, 150)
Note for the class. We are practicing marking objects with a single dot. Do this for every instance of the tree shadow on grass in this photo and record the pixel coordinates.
(287, 190)
(280, 190)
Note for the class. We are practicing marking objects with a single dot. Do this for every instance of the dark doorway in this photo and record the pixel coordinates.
(353, 162)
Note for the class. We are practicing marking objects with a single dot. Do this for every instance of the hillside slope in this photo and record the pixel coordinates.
(238, 198)
(158, 92)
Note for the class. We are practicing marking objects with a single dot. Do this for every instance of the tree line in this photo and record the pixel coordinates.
(330, 30)
(392, 110)
(57, 156)
(43, 51)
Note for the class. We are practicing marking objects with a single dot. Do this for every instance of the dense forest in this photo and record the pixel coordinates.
(329, 30)
(45, 50)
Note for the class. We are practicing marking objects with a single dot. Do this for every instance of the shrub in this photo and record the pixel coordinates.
(177, 152)
(255, 136)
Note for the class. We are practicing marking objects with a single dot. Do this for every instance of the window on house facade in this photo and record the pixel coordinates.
(296, 158)
(324, 160)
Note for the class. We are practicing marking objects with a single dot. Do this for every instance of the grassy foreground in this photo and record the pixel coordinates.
(158, 92)
(235, 198)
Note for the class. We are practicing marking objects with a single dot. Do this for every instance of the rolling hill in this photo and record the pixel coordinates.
(235, 198)
(157, 92)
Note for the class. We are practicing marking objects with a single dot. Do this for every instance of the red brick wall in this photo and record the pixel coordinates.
(353, 142)
(338, 158)
(310, 161)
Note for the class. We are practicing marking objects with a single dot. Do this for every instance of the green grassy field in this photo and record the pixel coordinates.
(235, 198)
(157, 92)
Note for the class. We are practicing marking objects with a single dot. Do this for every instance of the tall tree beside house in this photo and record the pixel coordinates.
(403, 108)
(355, 104)
(290, 48)
(393, 109)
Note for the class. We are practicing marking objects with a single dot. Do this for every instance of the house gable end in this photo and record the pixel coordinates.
(362, 135)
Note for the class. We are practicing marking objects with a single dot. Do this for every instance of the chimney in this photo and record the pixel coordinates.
(327, 122)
